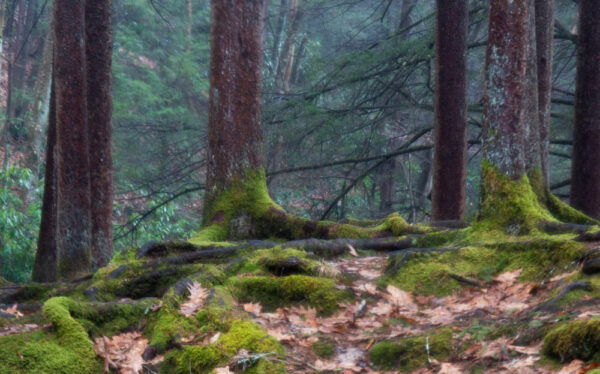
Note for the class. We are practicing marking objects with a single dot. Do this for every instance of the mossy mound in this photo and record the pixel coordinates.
(431, 274)
(412, 353)
(574, 340)
(509, 205)
(317, 292)
(264, 352)
(66, 349)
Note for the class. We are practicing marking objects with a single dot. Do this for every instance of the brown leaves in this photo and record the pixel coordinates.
(196, 300)
(13, 310)
(123, 352)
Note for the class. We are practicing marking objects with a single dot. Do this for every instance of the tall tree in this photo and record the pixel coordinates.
(234, 135)
(46, 257)
(450, 150)
(585, 176)
(99, 120)
(72, 142)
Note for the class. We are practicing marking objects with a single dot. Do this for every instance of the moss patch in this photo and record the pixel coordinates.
(539, 259)
(274, 292)
(242, 335)
(574, 340)
(411, 353)
(323, 349)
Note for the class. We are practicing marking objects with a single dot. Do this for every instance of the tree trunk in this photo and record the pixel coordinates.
(73, 178)
(286, 58)
(450, 150)
(585, 178)
(46, 259)
(234, 135)
(506, 67)
(544, 25)
(99, 104)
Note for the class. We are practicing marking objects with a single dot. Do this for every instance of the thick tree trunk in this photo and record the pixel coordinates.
(234, 135)
(506, 67)
(585, 178)
(99, 104)
(73, 178)
(46, 259)
(544, 25)
(450, 150)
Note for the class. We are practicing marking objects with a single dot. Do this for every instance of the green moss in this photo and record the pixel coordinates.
(393, 224)
(242, 335)
(574, 340)
(509, 205)
(564, 212)
(539, 259)
(323, 349)
(411, 353)
(66, 349)
(39, 352)
(166, 326)
(274, 292)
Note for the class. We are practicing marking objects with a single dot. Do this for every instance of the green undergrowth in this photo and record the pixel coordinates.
(323, 348)
(265, 352)
(411, 353)
(572, 297)
(574, 340)
(273, 292)
(67, 348)
(539, 259)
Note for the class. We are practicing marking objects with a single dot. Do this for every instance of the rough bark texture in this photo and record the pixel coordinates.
(506, 63)
(450, 158)
(73, 176)
(585, 179)
(544, 26)
(532, 149)
(99, 104)
(44, 266)
(234, 135)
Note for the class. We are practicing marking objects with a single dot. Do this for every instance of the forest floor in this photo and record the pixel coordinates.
(494, 324)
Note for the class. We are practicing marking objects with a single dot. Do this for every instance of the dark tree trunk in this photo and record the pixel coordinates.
(506, 67)
(99, 104)
(73, 175)
(387, 187)
(450, 150)
(46, 260)
(585, 178)
(544, 25)
(234, 135)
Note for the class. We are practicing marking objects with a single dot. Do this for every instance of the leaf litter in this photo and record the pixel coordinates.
(356, 327)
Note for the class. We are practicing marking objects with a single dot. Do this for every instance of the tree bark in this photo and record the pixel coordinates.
(506, 67)
(544, 26)
(585, 175)
(234, 135)
(46, 259)
(99, 104)
(450, 150)
(73, 178)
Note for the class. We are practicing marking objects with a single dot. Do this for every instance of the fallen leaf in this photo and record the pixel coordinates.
(352, 250)
(401, 299)
(254, 308)
(195, 301)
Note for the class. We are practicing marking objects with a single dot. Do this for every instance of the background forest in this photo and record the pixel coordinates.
(347, 112)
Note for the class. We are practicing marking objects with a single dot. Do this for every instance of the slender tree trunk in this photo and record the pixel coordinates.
(99, 106)
(585, 178)
(450, 150)
(73, 177)
(387, 187)
(234, 135)
(506, 68)
(46, 259)
(533, 157)
(544, 25)
(286, 58)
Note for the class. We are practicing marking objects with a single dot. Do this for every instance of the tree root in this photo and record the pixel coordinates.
(550, 304)
(562, 227)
